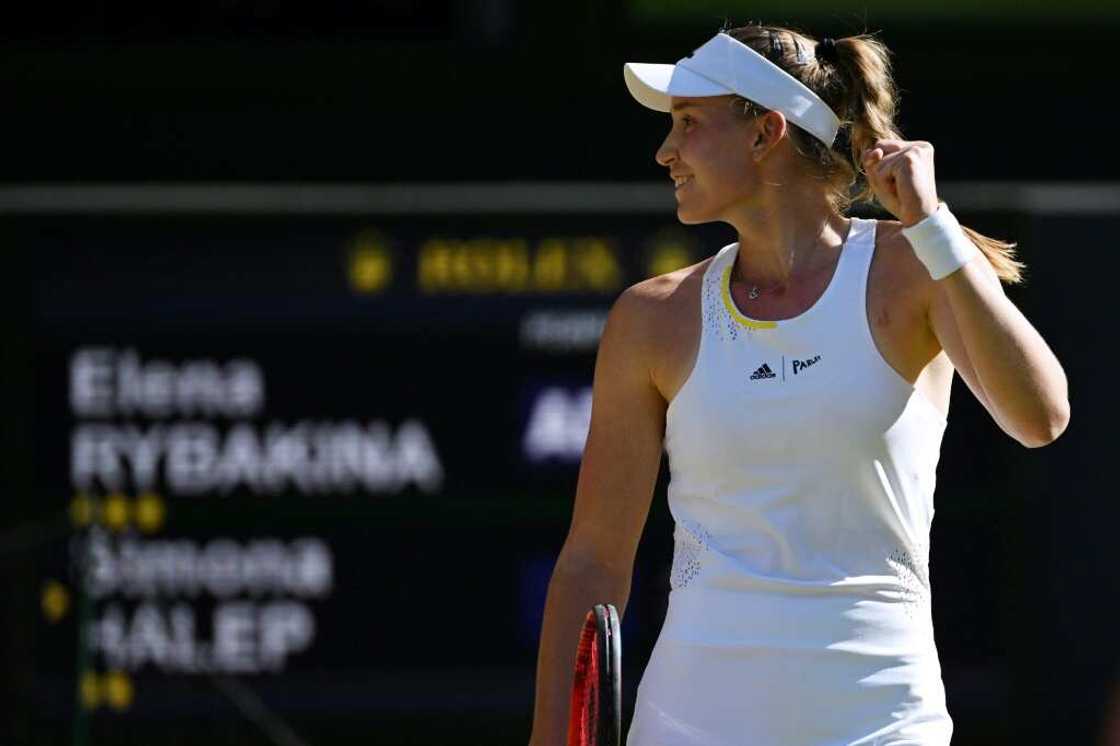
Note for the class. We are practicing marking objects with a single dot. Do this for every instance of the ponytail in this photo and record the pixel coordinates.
(856, 81)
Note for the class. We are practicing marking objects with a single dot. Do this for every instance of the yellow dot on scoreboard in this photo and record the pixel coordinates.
(55, 600)
(89, 689)
(371, 264)
(668, 258)
(119, 691)
(82, 509)
(150, 512)
(116, 512)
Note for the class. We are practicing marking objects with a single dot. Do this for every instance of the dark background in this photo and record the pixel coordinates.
(1014, 97)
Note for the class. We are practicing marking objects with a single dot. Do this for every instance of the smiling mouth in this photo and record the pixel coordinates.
(681, 181)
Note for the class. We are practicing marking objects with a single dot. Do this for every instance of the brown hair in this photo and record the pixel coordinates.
(860, 89)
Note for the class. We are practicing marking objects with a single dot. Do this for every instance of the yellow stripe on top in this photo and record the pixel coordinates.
(725, 290)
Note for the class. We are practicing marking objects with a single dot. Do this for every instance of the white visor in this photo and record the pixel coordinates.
(724, 65)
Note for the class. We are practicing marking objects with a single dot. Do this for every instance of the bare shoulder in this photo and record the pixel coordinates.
(664, 294)
(909, 282)
(663, 314)
(893, 244)
(899, 297)
(662, 300)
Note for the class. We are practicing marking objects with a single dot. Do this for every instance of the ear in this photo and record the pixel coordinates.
(769, 130)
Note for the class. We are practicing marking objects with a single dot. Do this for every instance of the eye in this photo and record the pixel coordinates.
(687, 120)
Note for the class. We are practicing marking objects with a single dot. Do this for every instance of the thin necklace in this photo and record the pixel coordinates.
(755, 290)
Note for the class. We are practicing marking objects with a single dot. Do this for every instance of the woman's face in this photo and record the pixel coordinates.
(709, 147)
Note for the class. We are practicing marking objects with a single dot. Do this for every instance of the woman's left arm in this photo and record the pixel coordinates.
(1023, 382)
(1022, 379)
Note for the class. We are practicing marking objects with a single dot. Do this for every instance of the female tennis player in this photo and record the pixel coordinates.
(799, 380)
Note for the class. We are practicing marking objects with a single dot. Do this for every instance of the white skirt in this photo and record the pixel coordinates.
(731, 669)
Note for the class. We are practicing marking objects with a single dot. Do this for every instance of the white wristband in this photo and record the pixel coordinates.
(940, 243)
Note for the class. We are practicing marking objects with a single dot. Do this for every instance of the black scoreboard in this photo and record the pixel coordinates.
(312, 467)
(331, 456)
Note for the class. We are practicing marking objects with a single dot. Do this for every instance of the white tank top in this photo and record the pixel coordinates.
(802, 475)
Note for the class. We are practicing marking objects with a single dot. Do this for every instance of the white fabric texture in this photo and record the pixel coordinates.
(802, 472)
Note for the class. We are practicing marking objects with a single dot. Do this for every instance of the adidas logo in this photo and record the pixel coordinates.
(763, 372)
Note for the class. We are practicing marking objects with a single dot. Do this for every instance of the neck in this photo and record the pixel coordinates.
(786, 236)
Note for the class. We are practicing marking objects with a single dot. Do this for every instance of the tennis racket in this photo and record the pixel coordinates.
(596, 713)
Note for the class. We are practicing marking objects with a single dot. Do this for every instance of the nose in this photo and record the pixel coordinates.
(667, 153)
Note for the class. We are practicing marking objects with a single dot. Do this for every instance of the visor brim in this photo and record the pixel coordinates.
(654, 85)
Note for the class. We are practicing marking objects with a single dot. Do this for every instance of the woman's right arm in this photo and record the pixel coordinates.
(616, 480)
